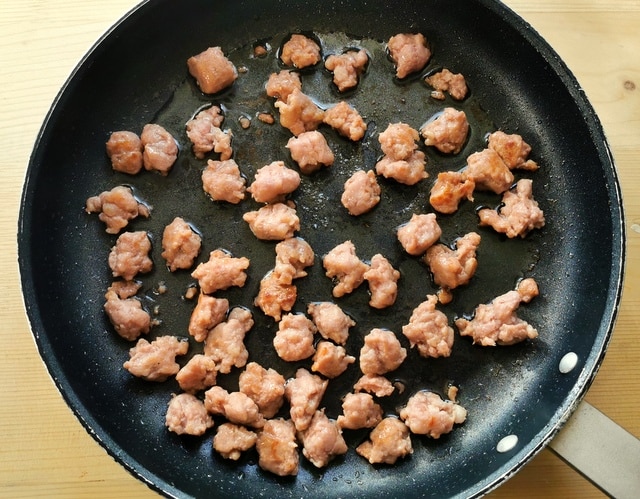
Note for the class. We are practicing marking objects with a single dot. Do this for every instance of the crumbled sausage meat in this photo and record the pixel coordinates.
(410, 53)
(427, 414)
(419, 233)
(211, 115)
(374, 383)
(332, 323)
(449, 190)
(214, 400)
(264, 386)
(513, 150)
(398, 140)
(225, 342)
(299, 113)
(125, 289)
(343, 264)
(294, 339)
(231, 440)
(402, 161)
(331, 360)
(304, 393)
(237, 407)
(124, 149)
(488, 171)
(518, 214)
(322, 441)
(160, 149)
(381, 352)
(448, 132)
(383, 282)
(311, 151)
(429, 330)
(300, 51)
(388, 442)
(346, 120)
(221, 140)
(187, 415)
(221, 272)
(408, 171)
(156, 361)
(207, 314)
(273, 182)
(347, 68)
(359, 410)
(205, 134)
(361, 192)
(277, 292)
(130, 255)
(212, 70)
(293, 255)
(198, 374)
(275, 296)
(277, 447)
(125, 313)
(116, 208)
(266, 118)
(446, 81)
(453, 268)
(223, 181)
(497, 323)
(262, 391)
(273, 222)
(281, 85)
(180, 245)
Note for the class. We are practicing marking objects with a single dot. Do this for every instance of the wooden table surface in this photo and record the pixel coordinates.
(45, 452)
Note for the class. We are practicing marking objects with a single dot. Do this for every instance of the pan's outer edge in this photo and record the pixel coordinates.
(583, 383)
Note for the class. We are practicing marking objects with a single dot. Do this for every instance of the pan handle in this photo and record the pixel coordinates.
(601, 451)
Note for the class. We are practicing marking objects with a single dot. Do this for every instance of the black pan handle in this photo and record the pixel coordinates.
(600, 450)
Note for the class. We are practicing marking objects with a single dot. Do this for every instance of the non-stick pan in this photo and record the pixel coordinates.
(137, 74)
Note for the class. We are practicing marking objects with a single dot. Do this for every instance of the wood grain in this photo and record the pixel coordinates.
(45, 451)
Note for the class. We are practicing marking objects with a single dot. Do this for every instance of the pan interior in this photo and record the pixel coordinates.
(137, 75)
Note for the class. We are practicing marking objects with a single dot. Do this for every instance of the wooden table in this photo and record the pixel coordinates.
(45, 452)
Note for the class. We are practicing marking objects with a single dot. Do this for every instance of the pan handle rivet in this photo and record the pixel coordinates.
(507, 443)
(568, 363)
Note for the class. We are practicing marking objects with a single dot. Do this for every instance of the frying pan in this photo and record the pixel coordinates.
(137, 74)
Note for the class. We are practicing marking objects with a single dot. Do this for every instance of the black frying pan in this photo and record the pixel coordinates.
(137, 74)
